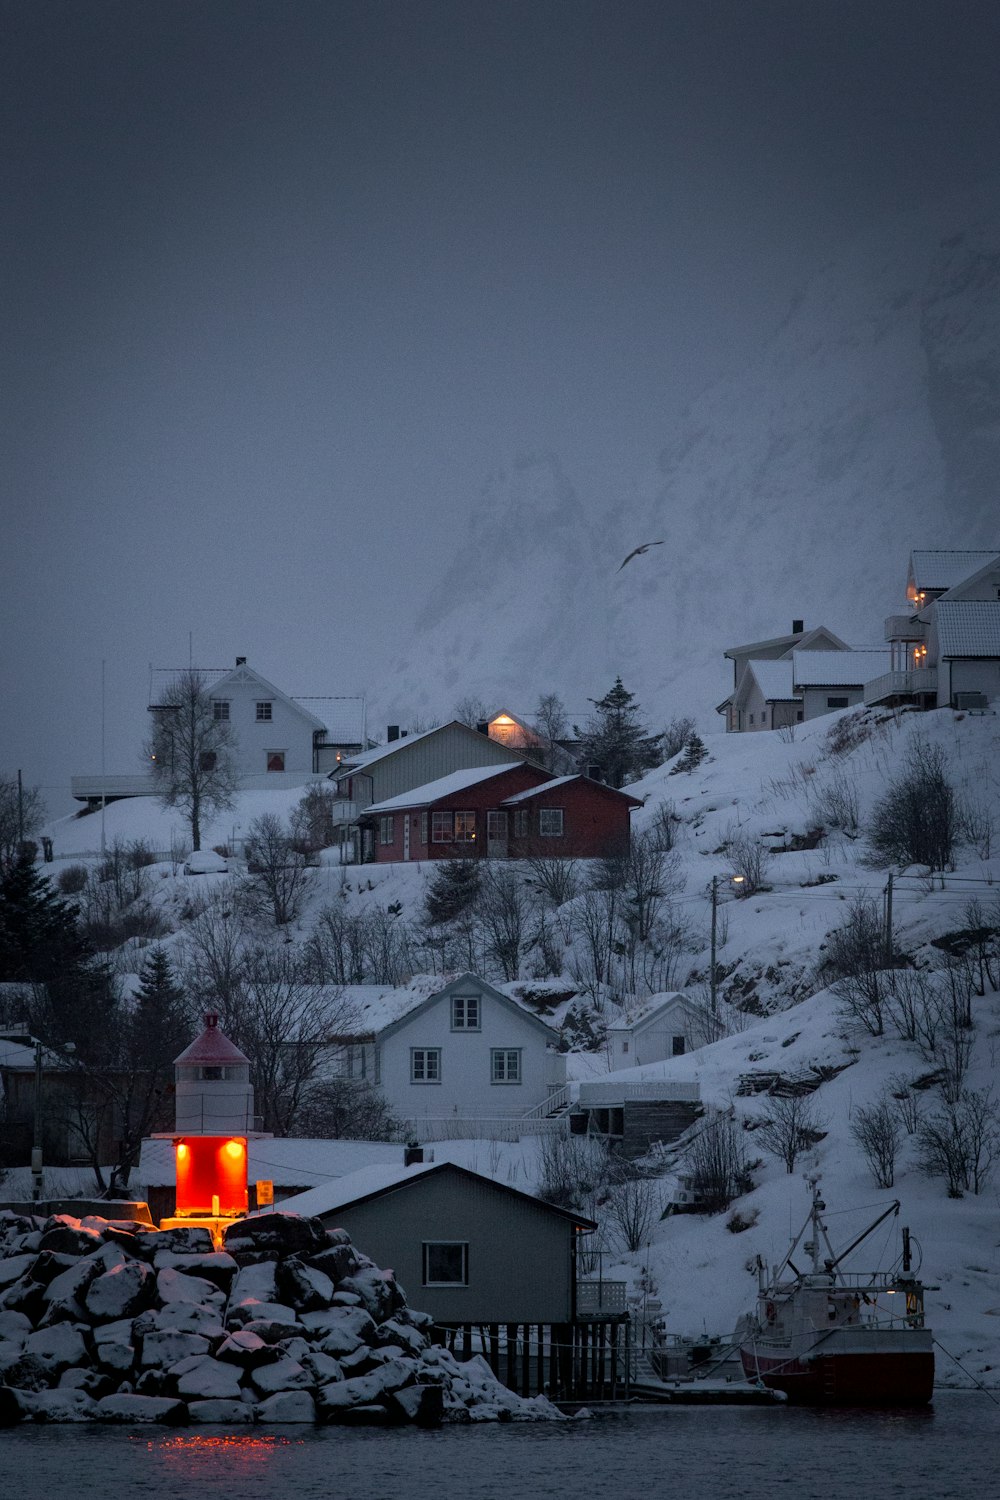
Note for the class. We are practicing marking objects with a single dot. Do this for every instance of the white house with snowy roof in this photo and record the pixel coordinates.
(768, 700)
(666, 1026)
(945, 649)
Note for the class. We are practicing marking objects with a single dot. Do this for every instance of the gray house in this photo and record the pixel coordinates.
(738, 709)
(495, 1267)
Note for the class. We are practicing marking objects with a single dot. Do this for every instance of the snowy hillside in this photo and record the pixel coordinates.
(785, 793)
(878, 397)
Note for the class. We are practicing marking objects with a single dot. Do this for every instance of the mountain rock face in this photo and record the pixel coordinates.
(869, 424)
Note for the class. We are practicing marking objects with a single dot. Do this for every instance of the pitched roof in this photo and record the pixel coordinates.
(838, 668)
(549, 786)
(161, 679)
(802, 638)
(444, 786)
(212, 1047)
(968, 627)
(649, 1009)
(343, 717)
(465, 981)
(366, 758)
(943, 569)
(375, 1182)
(774, 678)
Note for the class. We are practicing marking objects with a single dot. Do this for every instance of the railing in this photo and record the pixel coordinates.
(904, 628)
(905, 684)
(557, 1100)
(593, 1297)
(87, 788)
(430, 1128)
(603, 1094)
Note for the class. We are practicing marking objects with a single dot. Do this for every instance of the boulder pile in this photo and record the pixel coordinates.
(112, 1322)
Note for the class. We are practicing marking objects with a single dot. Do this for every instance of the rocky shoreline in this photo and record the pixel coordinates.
(109, 1321)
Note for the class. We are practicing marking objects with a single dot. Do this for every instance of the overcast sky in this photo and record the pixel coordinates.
(285, 282)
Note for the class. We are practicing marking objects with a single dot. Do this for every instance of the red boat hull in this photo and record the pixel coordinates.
(892, 1378)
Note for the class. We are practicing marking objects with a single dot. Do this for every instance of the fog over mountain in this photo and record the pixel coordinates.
(869, 424)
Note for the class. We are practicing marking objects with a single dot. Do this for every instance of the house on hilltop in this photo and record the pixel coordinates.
(747, 702)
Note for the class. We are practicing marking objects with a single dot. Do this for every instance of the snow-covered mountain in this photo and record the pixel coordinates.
(795, 488)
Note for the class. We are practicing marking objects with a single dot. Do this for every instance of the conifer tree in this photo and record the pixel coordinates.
(615, 738)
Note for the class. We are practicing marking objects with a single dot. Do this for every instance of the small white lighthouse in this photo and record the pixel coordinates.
(214, 1117)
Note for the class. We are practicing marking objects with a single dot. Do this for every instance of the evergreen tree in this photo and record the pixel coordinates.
(453, 889)
(616, 739)
(39, 935)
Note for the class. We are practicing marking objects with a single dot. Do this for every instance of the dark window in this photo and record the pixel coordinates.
(264, 713)
(677, 1046)
(442, 828)
(836, 702)
(207, 760)
(220, 709)
(211, 1074)
(423, 828)
(386, 828)
(505, 1065)
(425, 1064)
(550, 822)
(275, 760)
(446, 1263)
(465, 1013)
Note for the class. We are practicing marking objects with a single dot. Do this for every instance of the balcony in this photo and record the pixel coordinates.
(93, 788)
(918, 682)
(600, 1299)
(604, 1095)
(904, 628)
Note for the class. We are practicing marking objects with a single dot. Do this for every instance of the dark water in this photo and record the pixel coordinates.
(952, 1449)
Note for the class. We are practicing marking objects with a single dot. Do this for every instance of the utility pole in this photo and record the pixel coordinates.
(715, 909)
(888, 922)
(20, 814)
(36, 1150)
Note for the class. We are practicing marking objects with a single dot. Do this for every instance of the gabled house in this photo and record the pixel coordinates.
(766, 697)
(514, 811)
(667, 1026)
(828, 680)
(561, 756)
(736, 707)
(945, 650)
(276, 739)
(465, 1052)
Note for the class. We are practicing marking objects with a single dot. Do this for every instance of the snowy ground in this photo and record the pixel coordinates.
(770, 945)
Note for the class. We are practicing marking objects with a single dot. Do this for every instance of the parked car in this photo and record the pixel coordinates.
(205, 862)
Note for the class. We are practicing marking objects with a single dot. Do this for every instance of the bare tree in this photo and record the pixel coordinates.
(348, 1109)
(596, 926)
(961, 1142)
(280, 880)
(857, 961)
(192, 753)
(717, 1162)
(749, 858)
(907, 1102)
(550, 725)
(789, 1126)
(313, 825)
(471, 710)
(503, 912)
(632, 1207)
(878, 1131)
(558, 879)
(22, 812)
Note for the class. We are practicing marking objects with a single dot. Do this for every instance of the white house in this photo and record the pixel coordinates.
(768, 700)
(828, 680)
(667, 1026)
(467, 1052)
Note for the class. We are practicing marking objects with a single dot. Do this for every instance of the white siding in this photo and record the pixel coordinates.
(288, 730)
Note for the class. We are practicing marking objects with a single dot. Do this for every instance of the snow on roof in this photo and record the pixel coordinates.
(838, 668)
(944, 569)
(546, 786)
(366, 758)
(375, 1006)
(342, 718)
(444, 786)
(774, 678)
(968, 627)
(797, 639)
(213, 1046)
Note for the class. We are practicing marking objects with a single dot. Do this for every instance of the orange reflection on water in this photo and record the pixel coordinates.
(198, 1451)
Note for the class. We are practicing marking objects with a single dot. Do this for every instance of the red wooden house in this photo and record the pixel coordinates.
(513, 811)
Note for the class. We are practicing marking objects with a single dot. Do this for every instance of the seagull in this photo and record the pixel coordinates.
(637, 551)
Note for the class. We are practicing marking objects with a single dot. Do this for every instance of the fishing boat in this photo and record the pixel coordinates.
(828, 1337)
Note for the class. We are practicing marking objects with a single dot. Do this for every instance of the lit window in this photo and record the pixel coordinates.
(220, 709)
(275, 760)
(465, 1013)
(264, 713)
(386, 828)
(550, 822)
(446, 1263)
(442, 828)
(505, 1065)
(465, 827)
(425, 1064)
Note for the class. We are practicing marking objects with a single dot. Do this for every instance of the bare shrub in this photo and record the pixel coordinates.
(313, 822)
(663, 829)
(717, 1162)
(848, 732)
(976, 825)
(739, 1222)
(837, 805)
(789, 1126)
(503, 911)
(961, 1142)
(856, 959)
(906, 1101)
(633, 1205)
(877, 1130)
(72, 879)
(916, 822)
(749, 858)
(676, 735)
(573, 1170)
(557, 879)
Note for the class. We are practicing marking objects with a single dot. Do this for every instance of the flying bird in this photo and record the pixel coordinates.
(637, 551)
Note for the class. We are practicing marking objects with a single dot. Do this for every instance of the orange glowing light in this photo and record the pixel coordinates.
(182, 1149)
(234, 1148)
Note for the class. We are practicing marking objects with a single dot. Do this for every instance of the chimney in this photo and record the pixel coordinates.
(241, 661)
(798, 627)
(483, 726)
(413, 1155)
(392, 733)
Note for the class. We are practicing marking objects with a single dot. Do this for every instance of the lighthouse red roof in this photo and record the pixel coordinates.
(211, 1048)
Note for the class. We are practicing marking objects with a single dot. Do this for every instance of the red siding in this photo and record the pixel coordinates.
(595, 822)
(483, 797)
